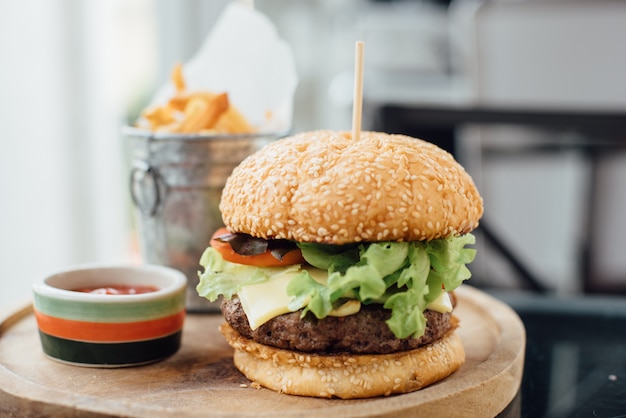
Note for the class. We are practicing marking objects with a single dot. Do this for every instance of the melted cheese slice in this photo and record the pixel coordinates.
(442, 304)
(264, 301)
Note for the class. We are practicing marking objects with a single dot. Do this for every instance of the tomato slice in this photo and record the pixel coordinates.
(265, 259)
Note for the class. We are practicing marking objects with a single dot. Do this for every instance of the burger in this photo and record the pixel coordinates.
(339, 261)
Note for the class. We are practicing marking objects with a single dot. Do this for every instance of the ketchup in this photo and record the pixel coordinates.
(118, 290)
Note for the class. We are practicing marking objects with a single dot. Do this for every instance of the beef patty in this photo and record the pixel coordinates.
(362, 333)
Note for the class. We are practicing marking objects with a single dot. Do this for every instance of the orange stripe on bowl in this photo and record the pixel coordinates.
(109, 332)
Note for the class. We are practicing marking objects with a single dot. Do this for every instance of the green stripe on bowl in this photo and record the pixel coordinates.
(93, 311)
(110, 354)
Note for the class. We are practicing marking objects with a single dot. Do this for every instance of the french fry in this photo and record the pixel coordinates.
(203, 113)
(195, 112)
(159, 116)
(232, 121)
(177, 78)
(179, 100)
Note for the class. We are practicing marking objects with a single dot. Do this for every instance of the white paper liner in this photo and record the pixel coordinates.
(244, 57)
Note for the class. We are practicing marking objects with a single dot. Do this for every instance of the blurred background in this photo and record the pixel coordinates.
(529, 95)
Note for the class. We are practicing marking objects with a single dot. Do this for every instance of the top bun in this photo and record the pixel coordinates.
(325, 187)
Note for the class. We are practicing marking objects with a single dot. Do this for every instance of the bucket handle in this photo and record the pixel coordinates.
(143, 173)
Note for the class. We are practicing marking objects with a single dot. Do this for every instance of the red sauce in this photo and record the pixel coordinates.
(118, 290)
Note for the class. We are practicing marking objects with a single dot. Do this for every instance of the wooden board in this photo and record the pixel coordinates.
(200, 380)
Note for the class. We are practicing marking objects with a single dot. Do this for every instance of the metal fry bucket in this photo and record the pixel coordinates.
(176, 183)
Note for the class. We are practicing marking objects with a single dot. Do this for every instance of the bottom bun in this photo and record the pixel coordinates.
(345, 376)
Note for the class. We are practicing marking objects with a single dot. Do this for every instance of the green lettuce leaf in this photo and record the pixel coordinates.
(357, 271)
(448, 258)
(408, 304)
(407, 312)
(309, 295)
(404, 277)
(330, 257)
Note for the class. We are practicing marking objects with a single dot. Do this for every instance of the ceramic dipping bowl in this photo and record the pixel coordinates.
(110, 330)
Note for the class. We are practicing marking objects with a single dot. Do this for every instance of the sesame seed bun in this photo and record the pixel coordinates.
(325, 187)
(346, 376)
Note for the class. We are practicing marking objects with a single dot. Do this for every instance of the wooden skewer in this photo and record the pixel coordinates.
(357, 104)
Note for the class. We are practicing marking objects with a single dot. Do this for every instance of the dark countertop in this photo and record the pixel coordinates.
(575, 363)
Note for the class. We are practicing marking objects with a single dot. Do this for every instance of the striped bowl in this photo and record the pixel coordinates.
(99, 330)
